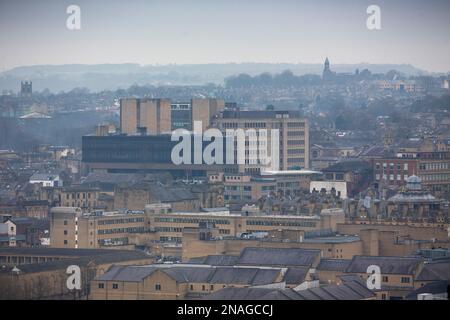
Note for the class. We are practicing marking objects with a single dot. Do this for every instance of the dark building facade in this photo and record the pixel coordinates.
(141, 154)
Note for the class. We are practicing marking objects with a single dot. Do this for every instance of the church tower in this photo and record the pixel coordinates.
(327, 66)
(326, 70)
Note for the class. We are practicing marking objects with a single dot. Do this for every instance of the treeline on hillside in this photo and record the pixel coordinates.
(432, 104)
(286, 78)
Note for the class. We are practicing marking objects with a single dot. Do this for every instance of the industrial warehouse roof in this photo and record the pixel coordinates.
(284, 257)
(195, 274)
(388, 265)
(352, 290)
(333, 264)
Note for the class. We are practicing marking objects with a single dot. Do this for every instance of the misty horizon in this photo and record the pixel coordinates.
(182, 32)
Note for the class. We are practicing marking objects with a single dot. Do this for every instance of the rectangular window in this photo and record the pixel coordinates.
(158, 287)
(115, 286)
(101, 285)
(385, 279)
(405, 279)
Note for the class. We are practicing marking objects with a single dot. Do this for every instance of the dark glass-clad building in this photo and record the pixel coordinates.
(146, 153)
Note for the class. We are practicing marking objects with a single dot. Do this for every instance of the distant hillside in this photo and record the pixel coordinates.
(113, 76)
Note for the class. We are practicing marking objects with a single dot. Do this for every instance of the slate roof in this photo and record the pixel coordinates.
(296, 275)
(112, 257)
(437, 287)
(278, 257)
(388, 265)
(216, 260)
(347, 291)
(127, 274)
(189, 274)
(197, 274)
(333, 264)
(244, 276)
(435, 271)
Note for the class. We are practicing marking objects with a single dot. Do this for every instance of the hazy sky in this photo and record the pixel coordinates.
(209, 31)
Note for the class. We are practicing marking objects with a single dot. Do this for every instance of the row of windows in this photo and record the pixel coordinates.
(115, 286)
(120, 221)
(281, 223)
(122, 230)
(295, 160)
(191, 220)
(83, 195)
(238, 188)
(255, 125)
(403, 279)
(296, 151)
(168, 229)
(391, 177)
(436, 177)
(296, 142)
(296, 124)
(392, 166)
(296, 133)
(170, 239)
(435, 166)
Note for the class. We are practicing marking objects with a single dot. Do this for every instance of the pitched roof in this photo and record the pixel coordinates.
(216, 260)
(278, 257)
(194, 274)
(437, 287)
(346, 291)
(126, 273)
(388, 265)
(244, 276)
(434, 271)
(333, 264)
(296, 275)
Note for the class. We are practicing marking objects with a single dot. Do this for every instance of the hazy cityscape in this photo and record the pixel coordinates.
(175, 176)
